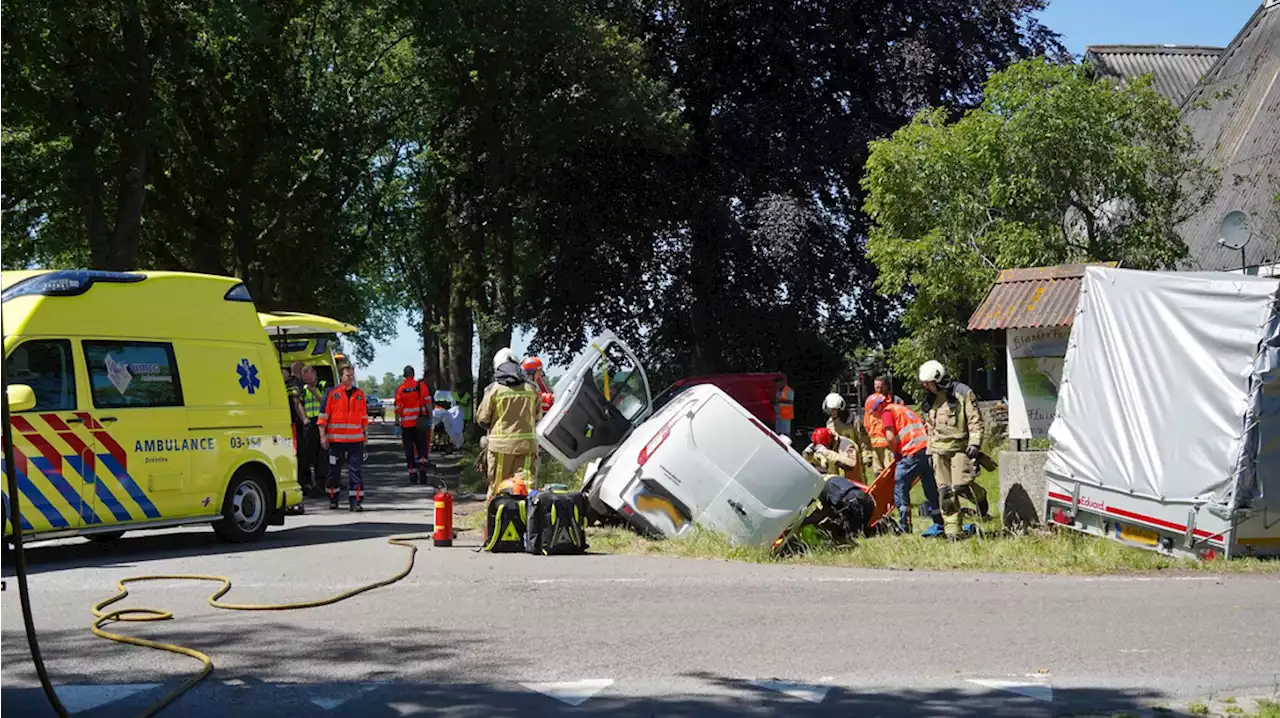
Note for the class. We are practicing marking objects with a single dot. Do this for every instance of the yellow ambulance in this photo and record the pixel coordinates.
(143, 400)
(308, 338)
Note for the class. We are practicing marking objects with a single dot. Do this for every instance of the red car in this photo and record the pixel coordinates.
(754, 391)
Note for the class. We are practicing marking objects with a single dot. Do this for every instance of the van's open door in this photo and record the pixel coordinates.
(602, 397)
(298, 324)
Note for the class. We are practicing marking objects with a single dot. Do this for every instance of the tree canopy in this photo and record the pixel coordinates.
(685, 173)
(1055, 166)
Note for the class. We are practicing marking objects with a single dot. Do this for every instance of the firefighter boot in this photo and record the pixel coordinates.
(950, 505)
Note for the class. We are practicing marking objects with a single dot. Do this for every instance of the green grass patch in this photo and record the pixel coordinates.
(1049, 550)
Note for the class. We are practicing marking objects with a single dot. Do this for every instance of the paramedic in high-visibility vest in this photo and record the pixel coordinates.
(343, 422)
(909, 441)
(880, 453)
(785, 407)
(508, 411)
(955, 427)
(413, 409)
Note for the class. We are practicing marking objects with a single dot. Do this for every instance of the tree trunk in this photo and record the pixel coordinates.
(704, 255)
(85, 146)
(134, 147)
(460, 336)
(430, 348)
(504, 279)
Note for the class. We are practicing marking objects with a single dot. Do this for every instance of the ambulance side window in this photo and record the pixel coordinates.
(45, 366)
(132, 374)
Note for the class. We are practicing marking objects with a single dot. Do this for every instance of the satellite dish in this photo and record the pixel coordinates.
(1233, 233)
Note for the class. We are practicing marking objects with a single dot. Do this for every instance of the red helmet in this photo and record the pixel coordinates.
(822, 436)
(531, 364)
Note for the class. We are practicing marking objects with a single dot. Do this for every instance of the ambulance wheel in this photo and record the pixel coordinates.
(106, 537)
(245, 509)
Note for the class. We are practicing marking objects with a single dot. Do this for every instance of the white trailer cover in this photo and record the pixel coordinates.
(1170, 384)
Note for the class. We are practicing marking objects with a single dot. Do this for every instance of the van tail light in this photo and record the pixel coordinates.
(652, 447)
(295, 439)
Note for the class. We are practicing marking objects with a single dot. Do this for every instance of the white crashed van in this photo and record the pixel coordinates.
(702, 459)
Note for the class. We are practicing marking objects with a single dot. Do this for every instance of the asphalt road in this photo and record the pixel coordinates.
(471, 633)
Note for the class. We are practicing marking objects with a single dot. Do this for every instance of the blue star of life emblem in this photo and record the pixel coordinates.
(249, 380)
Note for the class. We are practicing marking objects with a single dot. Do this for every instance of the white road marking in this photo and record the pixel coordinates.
(88, 697)
(586, 580)
(1037, 691)
(805, 692)
(575, 693)
(1145, 579)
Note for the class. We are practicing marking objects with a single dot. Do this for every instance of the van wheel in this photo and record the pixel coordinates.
(106, 537)
(245, 509)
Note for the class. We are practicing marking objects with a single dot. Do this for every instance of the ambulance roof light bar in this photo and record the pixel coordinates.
(66, 283)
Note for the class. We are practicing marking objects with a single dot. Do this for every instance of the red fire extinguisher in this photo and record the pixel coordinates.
(443, 523)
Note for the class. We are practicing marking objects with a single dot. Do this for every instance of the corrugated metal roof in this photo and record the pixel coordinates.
(1031, 298)
(1175, 69)
(1234, 115)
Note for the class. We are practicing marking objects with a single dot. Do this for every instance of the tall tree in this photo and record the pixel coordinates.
(539, 102)
(1055, 166)
(780, 101)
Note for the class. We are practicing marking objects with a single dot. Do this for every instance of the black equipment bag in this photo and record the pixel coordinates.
(557, 523)
(504, 526)
(852, 506)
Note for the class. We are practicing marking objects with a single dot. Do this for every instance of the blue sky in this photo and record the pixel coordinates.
(1081, 22)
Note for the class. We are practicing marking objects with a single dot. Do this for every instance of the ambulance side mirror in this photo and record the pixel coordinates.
(21, 397)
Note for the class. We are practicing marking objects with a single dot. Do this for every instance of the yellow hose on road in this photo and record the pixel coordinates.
(155, 614)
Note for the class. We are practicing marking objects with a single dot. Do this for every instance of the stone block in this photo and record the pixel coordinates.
(1022, 488)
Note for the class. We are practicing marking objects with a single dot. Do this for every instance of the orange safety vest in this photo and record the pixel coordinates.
(344, 415)
(912, 436)
(872, 421)
(413, 399)
(786, 403)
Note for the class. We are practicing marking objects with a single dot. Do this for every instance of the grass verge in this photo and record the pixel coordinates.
(1049, 550)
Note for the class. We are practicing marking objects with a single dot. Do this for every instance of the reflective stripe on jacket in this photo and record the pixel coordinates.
(511, 413)
(345, 415)
(909, 428)
(786, 403)
(413, 399)
(954, 420)
(311, 398)
(871, 420)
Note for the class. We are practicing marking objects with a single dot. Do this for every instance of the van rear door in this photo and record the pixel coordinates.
(599, 401)
(764, 485)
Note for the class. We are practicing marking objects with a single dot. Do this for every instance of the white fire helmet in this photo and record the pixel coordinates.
(503, 356)
(932, 370)
(833, 401)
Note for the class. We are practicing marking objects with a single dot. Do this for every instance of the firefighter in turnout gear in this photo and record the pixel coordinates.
(822, 455)
(842, 423)
(509, 412)
(955, 430)
(413, 409)
(343, 422)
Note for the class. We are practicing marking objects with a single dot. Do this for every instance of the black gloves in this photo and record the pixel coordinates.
(971, 451)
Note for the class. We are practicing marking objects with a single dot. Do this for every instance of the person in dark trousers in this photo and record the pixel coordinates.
(343, 422)
(313, 461)
(413, 410)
